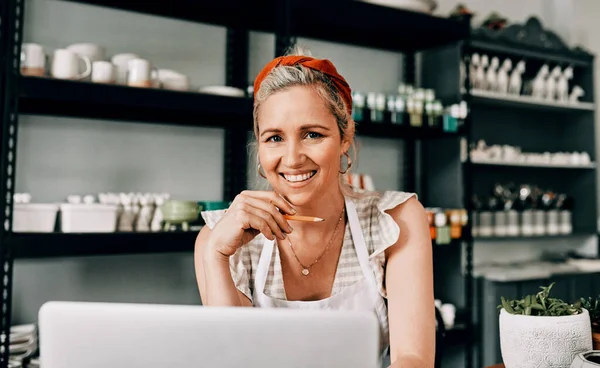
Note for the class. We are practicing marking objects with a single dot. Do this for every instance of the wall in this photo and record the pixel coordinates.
(60, 156)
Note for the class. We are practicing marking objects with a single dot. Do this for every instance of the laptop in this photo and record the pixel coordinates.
(124, 335)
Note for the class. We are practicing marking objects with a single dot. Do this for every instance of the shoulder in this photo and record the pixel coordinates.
(380, 213)
(380, 201)
(381, 217)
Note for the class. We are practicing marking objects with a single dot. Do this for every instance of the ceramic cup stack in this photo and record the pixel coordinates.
(87, 61)
(23, 341)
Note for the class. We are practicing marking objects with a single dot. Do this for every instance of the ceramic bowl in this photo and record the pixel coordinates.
(175, 211)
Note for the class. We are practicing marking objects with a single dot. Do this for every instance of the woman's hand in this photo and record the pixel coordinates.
(250, 213)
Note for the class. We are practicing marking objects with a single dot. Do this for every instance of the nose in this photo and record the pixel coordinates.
(294, 155)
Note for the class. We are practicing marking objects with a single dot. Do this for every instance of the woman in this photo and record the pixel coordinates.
(370, 247)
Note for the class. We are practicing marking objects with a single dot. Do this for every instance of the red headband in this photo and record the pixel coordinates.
(324, 66)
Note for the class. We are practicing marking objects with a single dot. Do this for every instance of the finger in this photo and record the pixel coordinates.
(267, 217)
(275, 198)
(271, 209)
(255, 223)
(262, 225)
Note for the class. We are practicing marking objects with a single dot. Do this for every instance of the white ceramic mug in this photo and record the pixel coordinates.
(103, 72)
(91, 50)
(141, 73)
(172, 80)
(66, 65)
(33, 60)
(121, 62)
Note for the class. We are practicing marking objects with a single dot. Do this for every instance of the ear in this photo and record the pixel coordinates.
(346, 145)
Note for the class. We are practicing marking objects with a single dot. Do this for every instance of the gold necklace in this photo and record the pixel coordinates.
(306, 269)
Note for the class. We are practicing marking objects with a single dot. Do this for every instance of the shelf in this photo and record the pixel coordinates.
(534, 165)
(47, 96)
(528, 102)
(258, 15)
(360, 23)
(374, 26)
(47, 245)
(408, 132)
(527, 51)
(577, 234)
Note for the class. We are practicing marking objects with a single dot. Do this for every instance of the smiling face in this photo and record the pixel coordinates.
(300, 145)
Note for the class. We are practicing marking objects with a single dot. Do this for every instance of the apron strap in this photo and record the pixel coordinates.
(263, 266)
(360, 245)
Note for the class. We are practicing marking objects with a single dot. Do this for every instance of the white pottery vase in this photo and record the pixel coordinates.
(543, 342)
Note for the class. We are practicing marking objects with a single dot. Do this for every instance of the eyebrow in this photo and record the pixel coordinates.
(303, 127)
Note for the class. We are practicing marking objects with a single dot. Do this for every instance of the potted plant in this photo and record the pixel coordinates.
(592, 305)
(539, 331)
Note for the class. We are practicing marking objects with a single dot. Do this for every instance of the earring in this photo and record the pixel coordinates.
(260, 172)
(349, 163)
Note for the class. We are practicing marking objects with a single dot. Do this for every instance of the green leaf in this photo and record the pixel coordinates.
(536, 306)
(528, 311)
(507, 306)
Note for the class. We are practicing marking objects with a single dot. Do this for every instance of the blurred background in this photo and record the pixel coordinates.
(122, 122)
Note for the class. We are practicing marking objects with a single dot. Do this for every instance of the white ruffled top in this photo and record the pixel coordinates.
(379, 229)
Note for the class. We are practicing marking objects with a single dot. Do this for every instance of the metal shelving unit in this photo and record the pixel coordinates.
(363, 24)
(535, 125)
(526, 102)
(53, 245)
(534, 165)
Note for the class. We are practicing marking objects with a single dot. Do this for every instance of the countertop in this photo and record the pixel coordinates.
(536, 270)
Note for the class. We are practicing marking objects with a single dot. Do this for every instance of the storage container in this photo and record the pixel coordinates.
(88, 218)
(34, 217)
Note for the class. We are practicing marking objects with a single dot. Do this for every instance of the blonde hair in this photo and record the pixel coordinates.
(283, 77)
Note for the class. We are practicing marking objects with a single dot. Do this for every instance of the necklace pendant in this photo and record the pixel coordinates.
(305, 272)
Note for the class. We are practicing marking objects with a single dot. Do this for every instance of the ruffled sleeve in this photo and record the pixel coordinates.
(240, 264)
(382, 231)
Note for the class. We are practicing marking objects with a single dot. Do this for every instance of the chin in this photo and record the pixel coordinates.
(300, 199)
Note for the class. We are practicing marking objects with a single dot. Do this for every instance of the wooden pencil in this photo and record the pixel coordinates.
(303, 218)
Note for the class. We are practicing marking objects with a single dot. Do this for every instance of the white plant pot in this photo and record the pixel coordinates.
(543, 342)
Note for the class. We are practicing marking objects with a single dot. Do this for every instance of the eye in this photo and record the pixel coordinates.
(314, 135)
(275, 139)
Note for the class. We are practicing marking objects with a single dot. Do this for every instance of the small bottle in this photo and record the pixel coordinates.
(443, 230)
(391, 108)
(410, 108)
(416, 118)
(371, 97)
(450, 119)
(430, 216)
(358, 107)
(429, 95)
(429, 114)
(455, 223)
(462, 114)
(380, 108)
(419, 94)
(402, 89)
(399, 111)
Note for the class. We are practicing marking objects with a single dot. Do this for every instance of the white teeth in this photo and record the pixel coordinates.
(297, 178)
